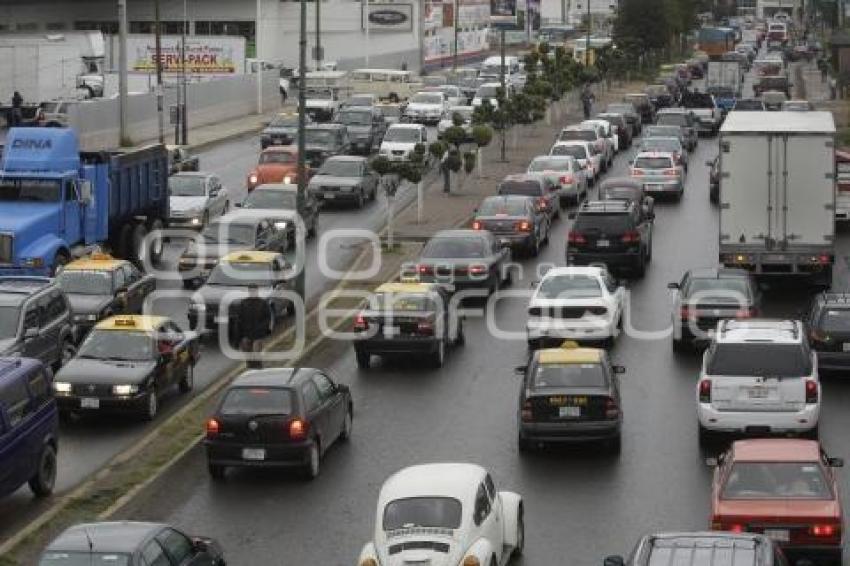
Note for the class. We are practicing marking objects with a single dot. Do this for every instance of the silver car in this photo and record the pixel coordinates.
(659, 173)
(566, 173)
(195, 198)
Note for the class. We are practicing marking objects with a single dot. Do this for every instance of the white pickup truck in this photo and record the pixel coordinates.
(707, 114)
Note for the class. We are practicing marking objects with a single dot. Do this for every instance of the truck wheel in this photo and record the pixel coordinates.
(156, 242)
(137, 245)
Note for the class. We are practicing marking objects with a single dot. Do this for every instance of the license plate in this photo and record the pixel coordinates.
(757, 393)
(90, 403)
(330, 196)
(779, 535)
(846, 347)
(569, 412)
(503, 241)
(253, 453)
(602, 243)
(391, 331)
(652, 186)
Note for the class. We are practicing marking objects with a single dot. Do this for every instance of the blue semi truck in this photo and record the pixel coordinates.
(58, 203)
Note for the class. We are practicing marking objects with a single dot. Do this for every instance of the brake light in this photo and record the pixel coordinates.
(671, 172)
(541, 203)
(612, 410)
(745, 313)
(298, 429)
(637, 172)
(705, 392)
(565, 179)
(818, 335)
(811, 391)
(524, 226)
(477, 269)
(425, 270)
(686, 313)
(525, 413)
(213, 428)
(736, 528)
(823, 259)
(824, 530)
(425, 327)
(631, 237)
(360, 322)
(576, 238)
(476, 225)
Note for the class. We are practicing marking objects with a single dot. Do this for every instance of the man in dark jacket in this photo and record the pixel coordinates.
(16, 116)
(254, 321)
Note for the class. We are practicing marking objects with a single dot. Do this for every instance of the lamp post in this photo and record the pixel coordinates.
(456, 16)
(185, 110)
(158, 55)
(318, 53)
(300, 283)
(587, 39)
(122, 72)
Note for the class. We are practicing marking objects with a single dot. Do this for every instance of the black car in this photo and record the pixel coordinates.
(714, 179)
(569, 394)
(537, 186)
(344, 179)
(627, 188)
(282, 130)
(233, 232)
(326, 140)
(660, 96)
(615, 233)
(277, 199)
(514, 220)
(631, 113)
(281, 417)
(624, 131)
(749, 105)
(126, 365)
(407, 318)
(462, 259)
(828, 322)
(366, 127)
(643, 103)
(714, 548)
(706, 296)
(229, 281)
(35, 320)
(100, 286)
(130, 543)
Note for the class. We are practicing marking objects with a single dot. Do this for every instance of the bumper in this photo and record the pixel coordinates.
(123, 404)
(800, 262)
(361, 146)
(660, 187)
(570, 432)
(612, 260)
(424, 345)
(818, 553)
(557, 333)
(188, 223)
(758, 422)
(336, 195)
(275, 455)
(515, 240)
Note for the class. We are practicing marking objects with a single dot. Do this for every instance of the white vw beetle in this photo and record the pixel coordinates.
(445, 515)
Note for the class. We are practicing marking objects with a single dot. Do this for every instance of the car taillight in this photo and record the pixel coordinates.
(825, 530)
(525, 413)
(612, 410)
(671, 172)
(705, 391)
(298, 429)
(476, 225)
(425, 270)
(823, 259)
(637, 172)
(746, 313)
(524, 226)
(213, 428)
(811, 391)
(686, 313)
(565, 179)
(631, 237)
(818, 335)
(360, 322)
(736, 528)
(541, 203)
(576, 238)
(477, 269)
(425, 328)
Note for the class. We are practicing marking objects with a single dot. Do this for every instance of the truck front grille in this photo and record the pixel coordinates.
(6, 248)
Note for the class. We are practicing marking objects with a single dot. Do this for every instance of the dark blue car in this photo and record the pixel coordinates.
(28, 426)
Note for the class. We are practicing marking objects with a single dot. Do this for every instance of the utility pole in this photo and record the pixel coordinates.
(260, 61)
(457, 15)
(158, 53)
(185, 110)
(318, 36)
(503, 102)
(366, 23)
(587, 44)
(564, 12)
(300, 283)
(122, 72)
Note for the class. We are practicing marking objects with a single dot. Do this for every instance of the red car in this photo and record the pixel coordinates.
(277, 164)
(785, 489)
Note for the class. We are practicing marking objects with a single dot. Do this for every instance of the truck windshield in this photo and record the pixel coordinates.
(40, 190)
(9, 316)
(81, 282)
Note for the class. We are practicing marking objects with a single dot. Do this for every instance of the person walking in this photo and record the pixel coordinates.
(587, 100)
(254, 320)
(16, 117)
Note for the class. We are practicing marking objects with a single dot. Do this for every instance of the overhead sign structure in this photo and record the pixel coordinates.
(503, 13)
(388, 17)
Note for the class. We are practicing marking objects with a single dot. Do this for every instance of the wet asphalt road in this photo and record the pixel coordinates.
(581, 504)
(87, 445)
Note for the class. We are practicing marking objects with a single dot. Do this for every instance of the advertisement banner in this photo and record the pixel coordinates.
(503, 13)
(205, 55)
(389, 17)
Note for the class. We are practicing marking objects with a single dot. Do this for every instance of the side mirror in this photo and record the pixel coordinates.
(533, 284)
(213, 193)
(619, 369)
(613, 561)
(836, 462)
(672, 285)
(710, 163)
(200, 545)
(30, 333)
(520, 370)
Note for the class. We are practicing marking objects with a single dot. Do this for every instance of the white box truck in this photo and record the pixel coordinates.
(777, 194)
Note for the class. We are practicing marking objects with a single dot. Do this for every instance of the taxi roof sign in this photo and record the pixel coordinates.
(250, 257)
(97, 261)
(140, 322)
(570, 353)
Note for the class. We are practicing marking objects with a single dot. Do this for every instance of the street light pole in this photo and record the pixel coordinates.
(366, 20)
(185, 110)
(122, 72)
(503, 102)
(260, 61)
(318, 36)
(587, 39)
(456, 16)
(158, 54)
(300, 283)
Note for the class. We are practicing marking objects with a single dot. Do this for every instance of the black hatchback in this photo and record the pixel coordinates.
(615, 233)
(828, 323)
(281, 417)
(514, 221)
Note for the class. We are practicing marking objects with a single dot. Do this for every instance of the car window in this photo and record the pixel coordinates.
(759, 359)
(120, 278)
(257, 401)
(39, 387)
(569, 375)
(31, 318)
(15, 397)
(491, 488)
(56, 306)
(324, 385)
(131, 273)
(311, 396)
(776, 480)
(482, 505)
(154, 555)
(177, 545)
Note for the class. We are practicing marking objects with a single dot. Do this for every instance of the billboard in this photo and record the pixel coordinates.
(205, 55)
(503, 13)
(388, 17)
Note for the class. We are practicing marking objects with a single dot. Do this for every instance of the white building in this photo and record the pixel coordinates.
(574, 12)
(769, 8)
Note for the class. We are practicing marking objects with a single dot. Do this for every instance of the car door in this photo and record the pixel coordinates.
(180, 549)
(332, 401)
(153, 554)
(486, 517)
(181, 357)
(217, 196)
(316, 413)
(138, 287)
(33, 345)
(16, 444)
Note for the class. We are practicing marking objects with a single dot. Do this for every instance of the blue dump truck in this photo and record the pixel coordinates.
(57, 203)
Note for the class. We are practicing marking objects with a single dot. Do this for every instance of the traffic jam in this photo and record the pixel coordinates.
(81, 344)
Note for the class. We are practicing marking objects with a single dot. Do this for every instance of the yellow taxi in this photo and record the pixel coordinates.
(126, 364)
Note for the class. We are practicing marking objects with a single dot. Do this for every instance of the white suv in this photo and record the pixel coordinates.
(758, 377)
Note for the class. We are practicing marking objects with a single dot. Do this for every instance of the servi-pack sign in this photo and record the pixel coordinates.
(205, 55)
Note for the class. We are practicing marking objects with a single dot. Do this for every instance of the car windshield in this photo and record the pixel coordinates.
(230, 233)
(355, 118)
(403, 135)
(319, 137)
(257, 401)
(835, 320)
(776, 480)
(38, 190)
(749, 105)
(672, 119)
(759, 359)
(427, 98)
(85, 282)
(569, 375)
(60, 558)
(525, 188)
(340, 168)
(359, 101)
(186, 186)
(283, 157)
(697, 100)
(260, 198)
(454, 247)
(577, 151)
(661, 144)
(319, 95)
(549, 164)
(569, 287)
(117, 345)
(9, 318)
(438, 512)
(394, 302)
(662, 131)
(580, 135)
(284, 122)
(503, 207)
(238, 274)
(712, 288)
(653, 163)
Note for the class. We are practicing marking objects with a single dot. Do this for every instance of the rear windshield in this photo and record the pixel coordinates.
(569, 375)
(776, 480)
(257, 401)
(457, 248)
(548, 164)
(662, 131)
(580, 135)
(759, 359)
(526, 188)
(402, 302)
(602, 222)
(569, 287)
(723, 288)
(835, 320)
(657, 90)
(653, 163)
(576, 151)
(506, 207)
(673, 120)
(439, 512)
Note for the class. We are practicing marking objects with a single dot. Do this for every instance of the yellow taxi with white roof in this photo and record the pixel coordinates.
(570, 394)
(127, 364)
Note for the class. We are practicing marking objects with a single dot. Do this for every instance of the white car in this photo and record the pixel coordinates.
(566, 172)
(593, 134)
(426, 108)
(454, 96)
(321, 104)
(448, 120)
(607, 130)
(758, 376)
(584, 304)
(586, 154)
(445, 515)
(195, 198)
(400, 140)
(488, 92)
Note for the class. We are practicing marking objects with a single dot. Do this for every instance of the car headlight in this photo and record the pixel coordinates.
(61, 387)
(198, 307)
(253, 179)
(34, 262)
(125, 389)
(471, 561)
(287, 180)
(195, 221)
(280, 225)
(369, 562)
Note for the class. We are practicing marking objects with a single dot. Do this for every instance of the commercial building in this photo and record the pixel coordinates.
(574, 12)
